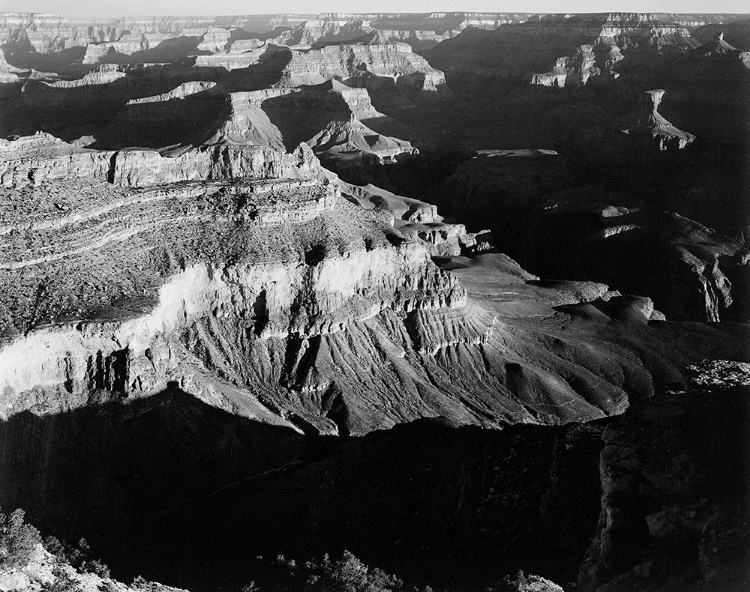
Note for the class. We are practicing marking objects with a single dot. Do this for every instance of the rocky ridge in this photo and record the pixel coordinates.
(49, 33)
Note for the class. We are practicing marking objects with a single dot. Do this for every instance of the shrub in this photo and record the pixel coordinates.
(141, 583)
(53, 546)
(78, 557)
(349, 574)
(96, 567)
(17, 540)
(61, 582)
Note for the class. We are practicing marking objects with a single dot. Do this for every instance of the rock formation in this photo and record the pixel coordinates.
(142, 358)
(43, 571)
(243, 121)
(564, 50)
(674, 498)
(600, 235)
(234, 321)
(646, 122)
(362, 64)
(9, 73)
(419, 220)
(735, 33)
(353, 144)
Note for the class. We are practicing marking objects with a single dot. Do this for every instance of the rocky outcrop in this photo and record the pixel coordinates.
(214, 40)
(351, 143)
(104, 74)
(243, 121)
(674, 490)
(648, 124)
(281, 117)
(241, 54)
(40, 158)
(420, 221)
(577, 69)
(44, 571)
(362, 65)
(184, 90)
(735, 33)
(9, 73)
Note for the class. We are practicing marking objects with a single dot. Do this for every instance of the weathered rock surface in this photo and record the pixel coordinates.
(420, 221)
(35, 159)
(362, 64)
(196, 317)
(9, 73)
(351, 143)
(646, 122)
(605, 236)
(336, 278)
(674, 490)
(43, 571)
(565, 49)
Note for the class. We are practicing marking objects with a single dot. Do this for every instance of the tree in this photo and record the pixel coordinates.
(17, 540)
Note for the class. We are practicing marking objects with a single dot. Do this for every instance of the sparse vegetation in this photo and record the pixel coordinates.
(79, 556)
(62, 582)
(347, 574)
(17, 540)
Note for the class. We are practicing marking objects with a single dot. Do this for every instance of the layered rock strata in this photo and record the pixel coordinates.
(259, 262)
(351, 143)
(419, 220)
(566, 50)
(35, 159)
(361, 62)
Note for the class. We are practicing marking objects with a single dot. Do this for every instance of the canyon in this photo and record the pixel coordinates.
(461, 293)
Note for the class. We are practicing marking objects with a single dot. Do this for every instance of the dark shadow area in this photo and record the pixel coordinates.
(66, 62)
(72, 112)
(435, 503)
(162, 123)
(129, 475)
(187, 494)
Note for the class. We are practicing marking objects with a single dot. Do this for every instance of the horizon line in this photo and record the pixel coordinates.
(178, 15)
